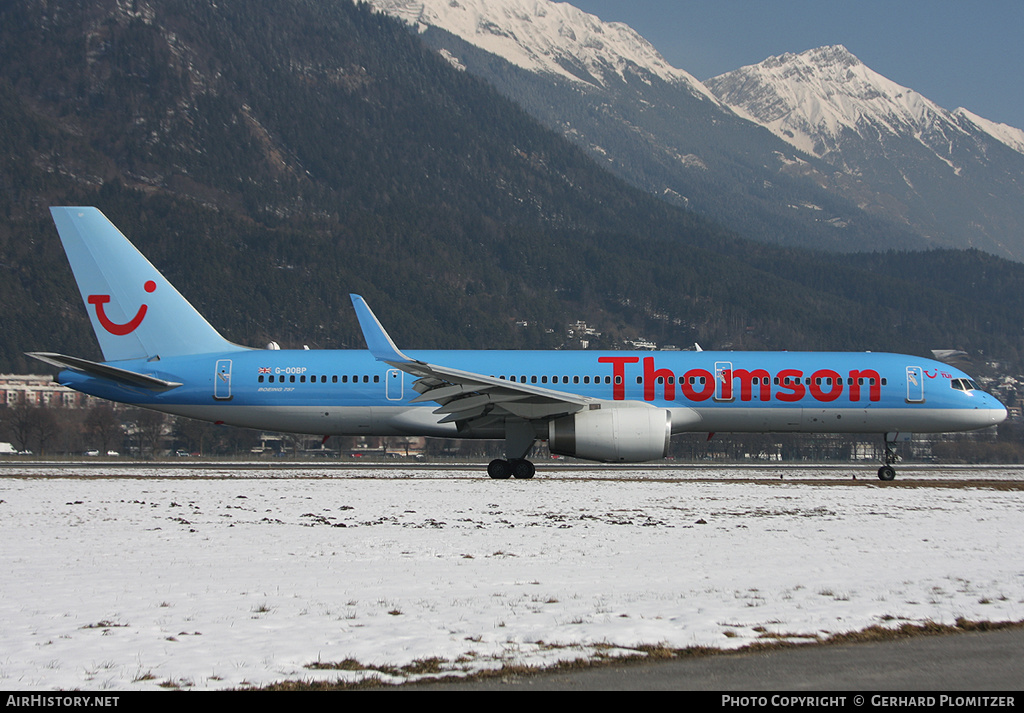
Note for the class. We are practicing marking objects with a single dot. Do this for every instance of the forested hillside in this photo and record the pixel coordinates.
(271, 157)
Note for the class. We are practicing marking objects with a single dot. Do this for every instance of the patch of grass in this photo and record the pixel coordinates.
(928, 628)
(419, 667)
(105, 624)
(423, 666)
(349, 664)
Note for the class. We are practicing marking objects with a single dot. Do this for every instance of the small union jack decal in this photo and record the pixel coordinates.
(264, 369)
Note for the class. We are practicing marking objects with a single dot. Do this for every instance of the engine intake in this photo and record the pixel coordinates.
(612, 435)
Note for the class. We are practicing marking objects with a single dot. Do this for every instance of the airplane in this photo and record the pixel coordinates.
(617, 406)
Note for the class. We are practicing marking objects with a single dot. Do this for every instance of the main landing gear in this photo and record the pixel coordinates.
(516, 468)
(887, 472)
(519, 438)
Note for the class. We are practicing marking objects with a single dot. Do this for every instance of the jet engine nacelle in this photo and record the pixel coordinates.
(612, 435)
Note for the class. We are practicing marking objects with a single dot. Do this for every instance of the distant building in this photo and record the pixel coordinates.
(581, 328)
(38, 390)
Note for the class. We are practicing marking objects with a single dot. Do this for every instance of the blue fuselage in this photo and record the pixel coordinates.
(350, 392)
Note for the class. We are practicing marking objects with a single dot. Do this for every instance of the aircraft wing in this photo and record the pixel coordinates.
(466, 396)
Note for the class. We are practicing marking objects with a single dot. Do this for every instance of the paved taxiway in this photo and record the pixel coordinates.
(990, 661)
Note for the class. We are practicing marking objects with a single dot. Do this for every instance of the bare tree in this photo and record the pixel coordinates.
(19, 425)
(150, 428)
(44, 427)
(198, 436)
(103, 426)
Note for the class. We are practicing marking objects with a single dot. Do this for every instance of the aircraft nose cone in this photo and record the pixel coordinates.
(988, 412)
(993, 410)
(999, 413)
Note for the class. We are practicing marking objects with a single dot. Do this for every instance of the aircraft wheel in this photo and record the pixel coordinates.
(886, 472)
(499, 469)
(522, 469)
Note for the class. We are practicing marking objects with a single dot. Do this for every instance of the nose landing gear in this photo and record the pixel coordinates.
(887, 472)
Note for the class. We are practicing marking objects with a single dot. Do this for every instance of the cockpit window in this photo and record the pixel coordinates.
(964, 385)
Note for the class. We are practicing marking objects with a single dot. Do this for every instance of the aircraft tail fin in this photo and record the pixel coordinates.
(135, 312)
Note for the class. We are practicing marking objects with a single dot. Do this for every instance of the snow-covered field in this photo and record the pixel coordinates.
(221, 577)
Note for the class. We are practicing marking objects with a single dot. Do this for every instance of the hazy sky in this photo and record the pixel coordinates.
(954, 52)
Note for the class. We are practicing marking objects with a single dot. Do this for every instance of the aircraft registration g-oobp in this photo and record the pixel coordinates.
(621, 407)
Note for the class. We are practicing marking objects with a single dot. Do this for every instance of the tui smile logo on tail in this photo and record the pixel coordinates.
(113, 327)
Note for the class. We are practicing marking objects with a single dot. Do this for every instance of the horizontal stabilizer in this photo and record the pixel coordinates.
(105, 371)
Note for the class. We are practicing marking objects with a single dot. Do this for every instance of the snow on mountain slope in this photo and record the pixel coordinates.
(546, 37)
(816, 98)
(952, 176)
(1012, 137)
(812, 99)
(876, 152)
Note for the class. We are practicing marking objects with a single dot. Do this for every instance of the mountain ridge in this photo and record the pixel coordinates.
(950, 174)
(540, 36)
(809, 99)
(900, 190)
(690, 152)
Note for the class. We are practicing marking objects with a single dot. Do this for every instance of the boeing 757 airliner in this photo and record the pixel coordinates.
(623, 407)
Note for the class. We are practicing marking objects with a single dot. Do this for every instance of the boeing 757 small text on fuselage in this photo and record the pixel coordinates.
(160, 353)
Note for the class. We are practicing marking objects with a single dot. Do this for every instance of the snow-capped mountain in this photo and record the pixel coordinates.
(1012, 137)
(950, 175)
(812, 148)
(607, 89)
(546, 37)
(816, 99)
